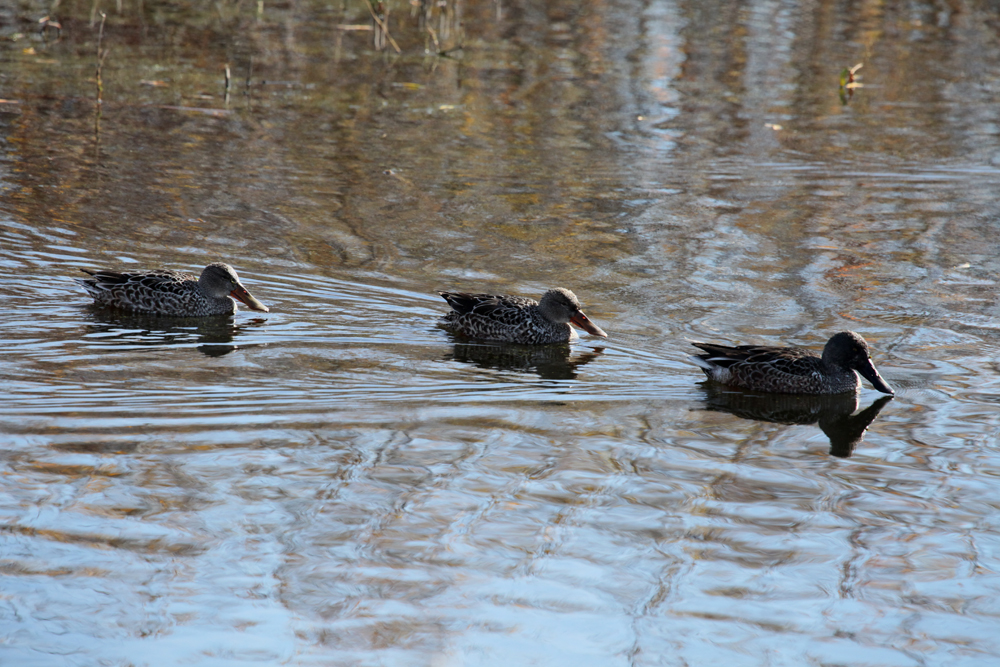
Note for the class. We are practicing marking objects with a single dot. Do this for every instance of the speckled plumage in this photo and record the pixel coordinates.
(170, 293)
(516, 319)
(789, 370)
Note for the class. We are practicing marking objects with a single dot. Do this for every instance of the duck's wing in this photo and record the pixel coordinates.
(490, 306)
(784, 360)
(138, 284)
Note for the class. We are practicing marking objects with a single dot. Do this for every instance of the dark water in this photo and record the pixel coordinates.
(341, 482)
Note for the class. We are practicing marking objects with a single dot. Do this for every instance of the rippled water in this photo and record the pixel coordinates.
(341, 482)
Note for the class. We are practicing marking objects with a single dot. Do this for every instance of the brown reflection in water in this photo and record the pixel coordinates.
(833, 414)
(214, 335)
(488, 149)
(181, 546)
(550, 362)
(521, 160)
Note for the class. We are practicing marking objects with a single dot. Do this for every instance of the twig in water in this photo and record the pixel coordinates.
(447, 52)
(383, 26)
(47, 23)
(249, 77)
(100, 61)
(100, 81)
(378, 37)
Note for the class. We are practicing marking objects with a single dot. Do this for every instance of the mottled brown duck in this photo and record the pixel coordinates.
(171, 293)
(516, 319)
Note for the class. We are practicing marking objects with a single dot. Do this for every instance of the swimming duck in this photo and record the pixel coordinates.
(516, 319)
(790, 370)
(171, 293)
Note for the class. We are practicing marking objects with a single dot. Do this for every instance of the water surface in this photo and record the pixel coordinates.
(341, 482)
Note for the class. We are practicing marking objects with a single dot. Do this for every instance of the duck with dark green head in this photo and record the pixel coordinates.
(791, 370)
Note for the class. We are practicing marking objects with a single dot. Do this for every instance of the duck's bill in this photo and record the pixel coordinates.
(868, 372)
(581, 321)
(240, 294)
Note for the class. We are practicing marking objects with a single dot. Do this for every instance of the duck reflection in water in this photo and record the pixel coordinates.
(214, 335)
(550, 362)
(833, 413)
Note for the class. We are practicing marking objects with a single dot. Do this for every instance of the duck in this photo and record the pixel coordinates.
(517, 319)
(791, 370)
(171, 293)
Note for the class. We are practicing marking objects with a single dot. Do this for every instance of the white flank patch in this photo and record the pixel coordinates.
(717, 373)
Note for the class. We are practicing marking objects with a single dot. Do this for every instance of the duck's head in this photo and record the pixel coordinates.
(848, 350)
(220, 281)
(561, 306)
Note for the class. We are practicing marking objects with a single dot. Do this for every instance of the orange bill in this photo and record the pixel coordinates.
(581, 321)
(241, 294)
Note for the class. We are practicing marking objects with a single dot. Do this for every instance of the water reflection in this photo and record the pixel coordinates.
(214, 336)
(834, 414)
(340, 495)
(550, 362)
